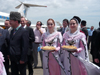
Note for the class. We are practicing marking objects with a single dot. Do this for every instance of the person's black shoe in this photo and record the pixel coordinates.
(31, 74)
(41, 67)
(34, 66)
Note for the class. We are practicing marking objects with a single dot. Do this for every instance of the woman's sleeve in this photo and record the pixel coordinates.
(4, 71)
(81, 47)
(42, 38)
(82, 44)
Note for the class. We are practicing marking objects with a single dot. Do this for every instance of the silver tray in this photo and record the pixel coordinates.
(70, 49)
(48, 50)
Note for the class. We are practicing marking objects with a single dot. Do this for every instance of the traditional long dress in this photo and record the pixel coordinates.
(51, 59)
(2, 68)
(77, 63)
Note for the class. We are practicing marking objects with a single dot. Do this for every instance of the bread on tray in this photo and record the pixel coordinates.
(48, 48)
(69, 47)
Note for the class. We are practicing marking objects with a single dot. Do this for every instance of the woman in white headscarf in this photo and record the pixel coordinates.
(77, 62)
(51, 59)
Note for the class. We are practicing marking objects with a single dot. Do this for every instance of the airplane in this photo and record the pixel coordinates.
(23, 7)
(3, 16)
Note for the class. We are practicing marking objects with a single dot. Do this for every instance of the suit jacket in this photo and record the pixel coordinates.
(96, 44)
(31, 39)
(61, 30)
(19, 44)
(31, 36)
(84, 29)
(4, 42)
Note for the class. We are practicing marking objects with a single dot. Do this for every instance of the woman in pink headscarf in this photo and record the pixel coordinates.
(51, 59)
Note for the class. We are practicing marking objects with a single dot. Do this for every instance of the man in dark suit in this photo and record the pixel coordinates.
(8, 26)
(19, 44)
(4, 47)
(65, 27)
(95, 46)
(31, 40)
(83, 28)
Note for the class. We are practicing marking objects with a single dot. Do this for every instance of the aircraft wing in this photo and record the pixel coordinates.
(28, 5)
(33, 5)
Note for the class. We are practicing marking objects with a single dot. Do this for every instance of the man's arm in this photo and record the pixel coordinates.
(97, 48)
(85, 31)
(39, 28)
(41, 31)
(25, 46)
(31, 36)
(7, 42)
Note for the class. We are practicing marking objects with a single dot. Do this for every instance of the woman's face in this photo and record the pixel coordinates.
(50, 25)
(73, 25)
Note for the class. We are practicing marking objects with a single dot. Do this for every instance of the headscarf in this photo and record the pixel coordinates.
(49, 35)
(78, 28)
(55, 28)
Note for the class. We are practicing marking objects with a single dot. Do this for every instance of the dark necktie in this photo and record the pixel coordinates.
(63, 30)
(14, 31)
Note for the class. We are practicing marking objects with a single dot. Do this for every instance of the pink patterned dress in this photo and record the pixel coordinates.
(77, 63)
(51, 59)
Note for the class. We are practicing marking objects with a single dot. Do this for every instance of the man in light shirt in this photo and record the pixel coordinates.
(90, 32)
(38, 33)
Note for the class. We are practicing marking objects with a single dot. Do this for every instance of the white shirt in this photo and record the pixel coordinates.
(38, 34)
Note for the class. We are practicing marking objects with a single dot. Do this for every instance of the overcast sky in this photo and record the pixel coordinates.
(58, 10)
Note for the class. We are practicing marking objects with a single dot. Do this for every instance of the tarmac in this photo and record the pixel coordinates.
(38, 70)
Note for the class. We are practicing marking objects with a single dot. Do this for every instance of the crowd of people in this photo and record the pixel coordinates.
(19, 44)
